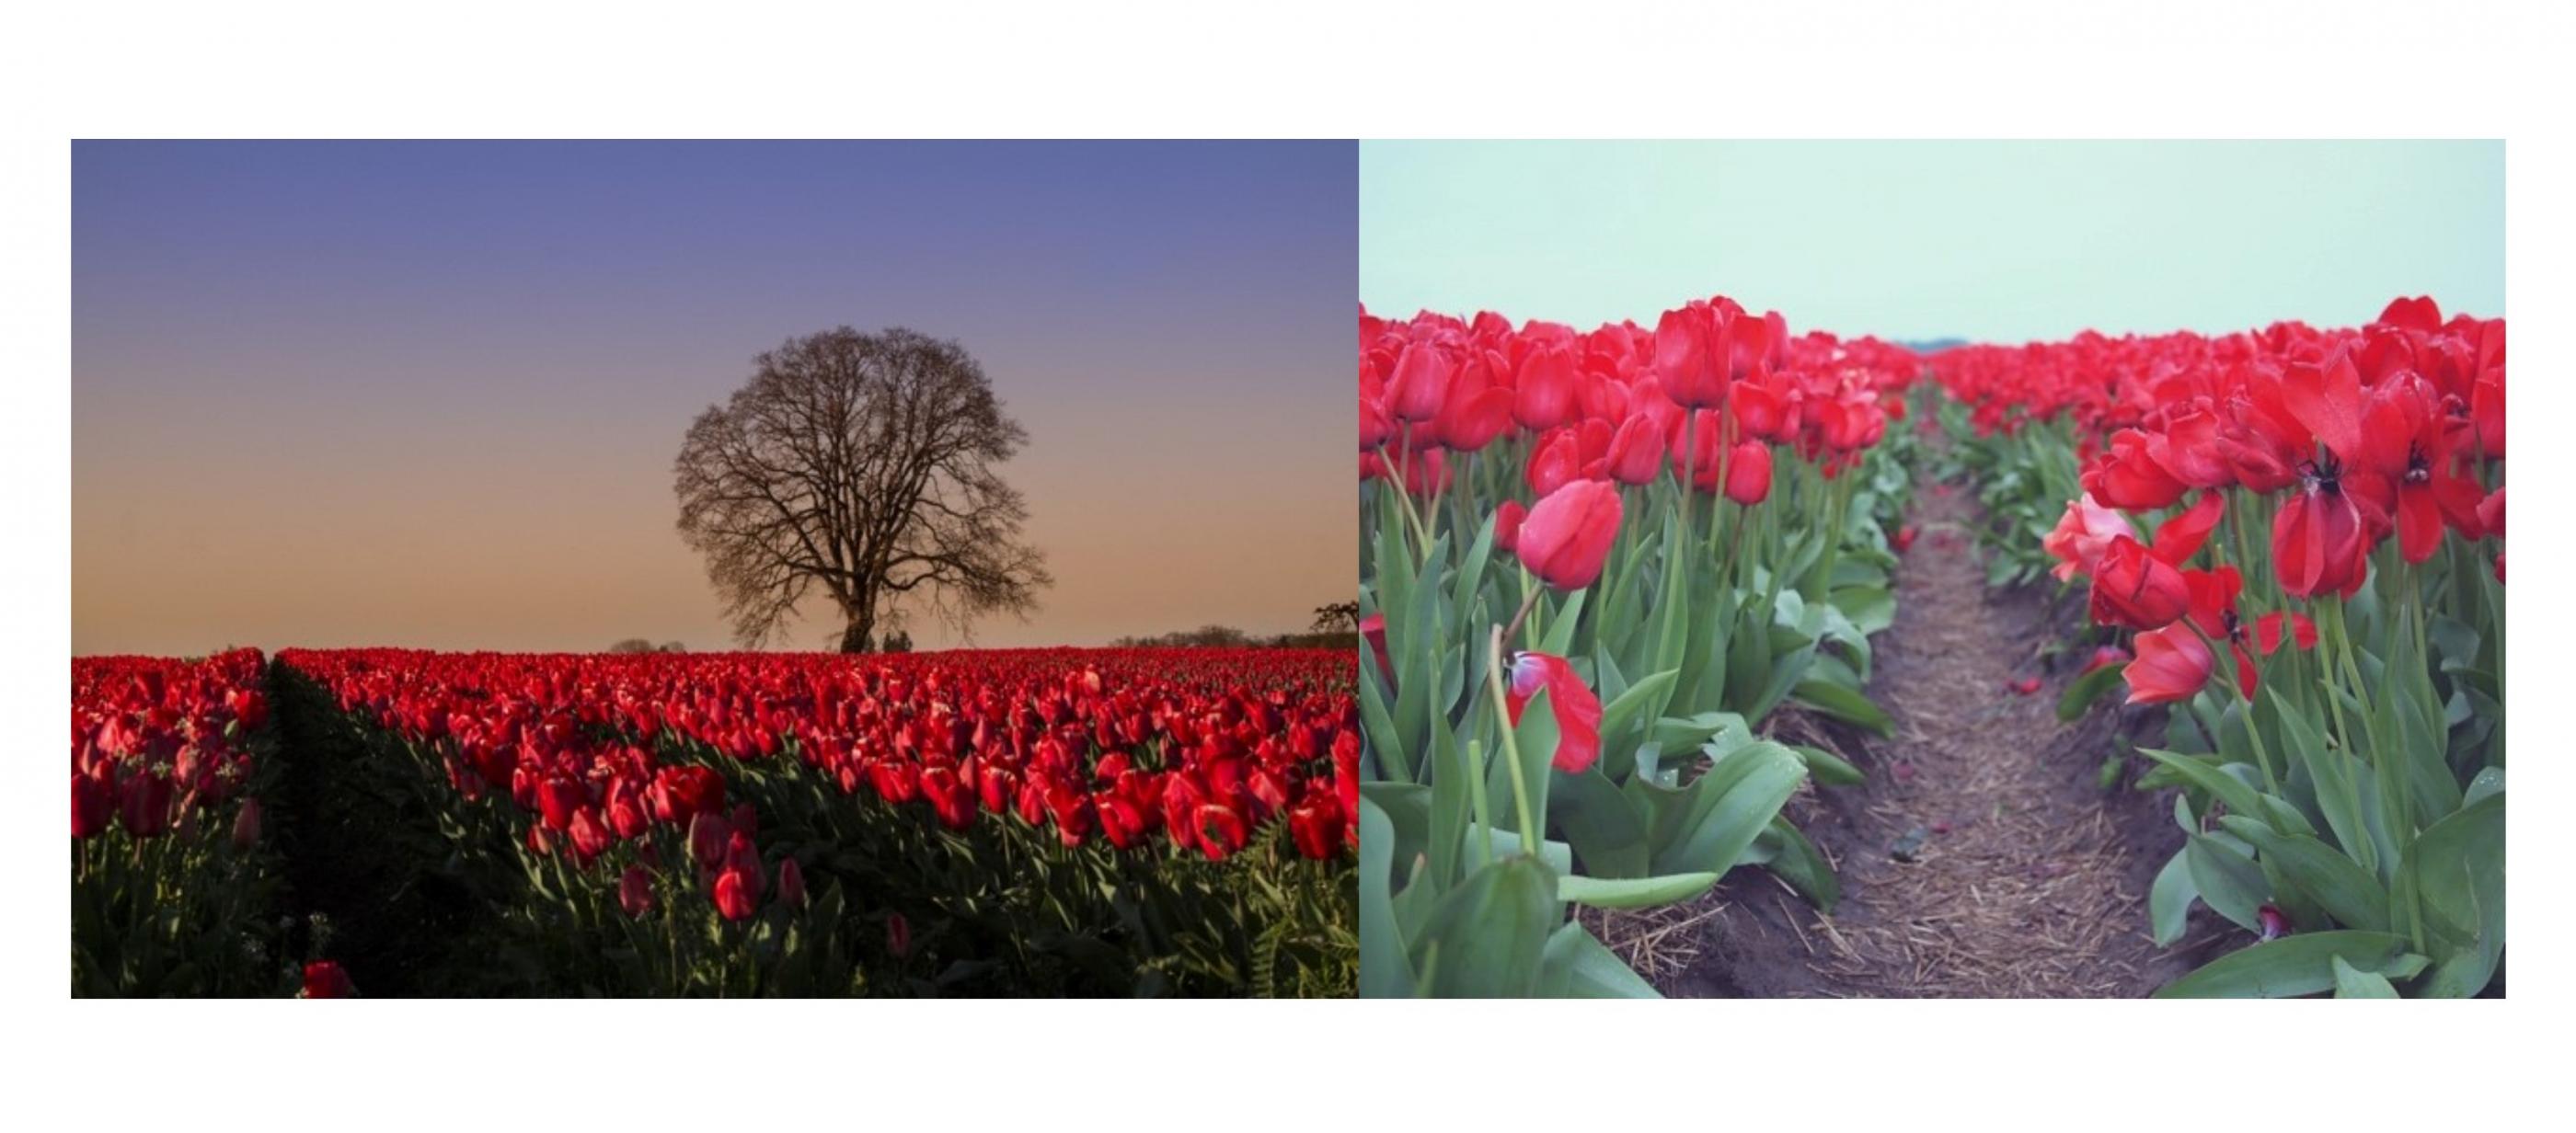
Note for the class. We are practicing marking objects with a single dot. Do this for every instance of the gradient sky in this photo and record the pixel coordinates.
(1994, 241)
(428, 394)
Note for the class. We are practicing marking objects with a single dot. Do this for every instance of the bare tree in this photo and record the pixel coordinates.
(862, 465)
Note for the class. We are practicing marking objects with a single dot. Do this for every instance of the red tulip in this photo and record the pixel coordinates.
(898, 935)
(2173, 663)
(1316, 826)
(1220, 829)
(2024, 686)
(2136, 589)
(1748, 473)
(626, 809)
(1568, 535)
(1508, 517)
(2082, 534)
(92, 801)
(1577, 709)
(2105, 656)
(2319, 543)
(791, 884)
(1373, 631)
(590, 835)
(708, 836)
(1904, 540)
(2268, 635)
(2128, 477)
(246, 825)
(1636, 451)
(1544, 397)
(635, 891)
(143, 804)
(737, 894)
(1556, 462)
(1421, 382)
(323, 979)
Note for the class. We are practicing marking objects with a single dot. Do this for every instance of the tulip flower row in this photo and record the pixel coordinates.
(2300, 534)
(1010, 803)
(1594, 564)
(172, 872)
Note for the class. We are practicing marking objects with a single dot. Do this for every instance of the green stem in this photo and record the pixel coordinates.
(1511, 744)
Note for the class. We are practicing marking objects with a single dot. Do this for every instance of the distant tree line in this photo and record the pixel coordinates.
(1336, 626)
(639, 645)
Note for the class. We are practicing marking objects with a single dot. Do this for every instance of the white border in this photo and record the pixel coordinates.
(2185, 68)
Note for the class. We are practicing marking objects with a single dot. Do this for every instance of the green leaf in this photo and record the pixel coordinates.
(2348, 893)
(1603, 826)
(2455, 869)
(1634, 892)
(1485, 939)
(2169, 901)
(1845, 705)
(2294, 965)
(1794, 859)
(1384, 969)
(1646, 696)
(2229, 881)
(1579, 967)
(2084, 690)
(2239, 797)
(2353, 983)
(1766, 774)
(1829, 769)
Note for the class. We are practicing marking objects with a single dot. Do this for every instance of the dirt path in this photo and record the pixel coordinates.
(2030, 880)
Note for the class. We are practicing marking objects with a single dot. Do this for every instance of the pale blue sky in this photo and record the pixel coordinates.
(1994, 241)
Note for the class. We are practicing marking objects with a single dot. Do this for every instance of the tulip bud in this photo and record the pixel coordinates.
(246, 825)
(791, 884)
(635, 891)
(898, 935)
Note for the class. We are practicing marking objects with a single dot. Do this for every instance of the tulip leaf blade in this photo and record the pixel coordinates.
(2086, 688)
(1487, 937)
(2294, 965)
(2336, 883)
(1633, 892)
(1845, 705)
(2353, 983)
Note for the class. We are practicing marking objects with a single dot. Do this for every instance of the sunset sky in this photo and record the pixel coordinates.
(428, 394)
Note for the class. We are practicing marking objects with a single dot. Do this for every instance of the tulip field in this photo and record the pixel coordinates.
(1001, 822)
(1623, 591)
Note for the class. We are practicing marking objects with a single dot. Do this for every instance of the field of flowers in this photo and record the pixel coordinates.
(1000, 822)
(1598, 566)
(1594, 566)
(2293, 539)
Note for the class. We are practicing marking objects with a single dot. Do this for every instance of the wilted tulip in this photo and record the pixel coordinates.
(1577, 708)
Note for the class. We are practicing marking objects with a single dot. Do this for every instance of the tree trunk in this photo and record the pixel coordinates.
(855, 638)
